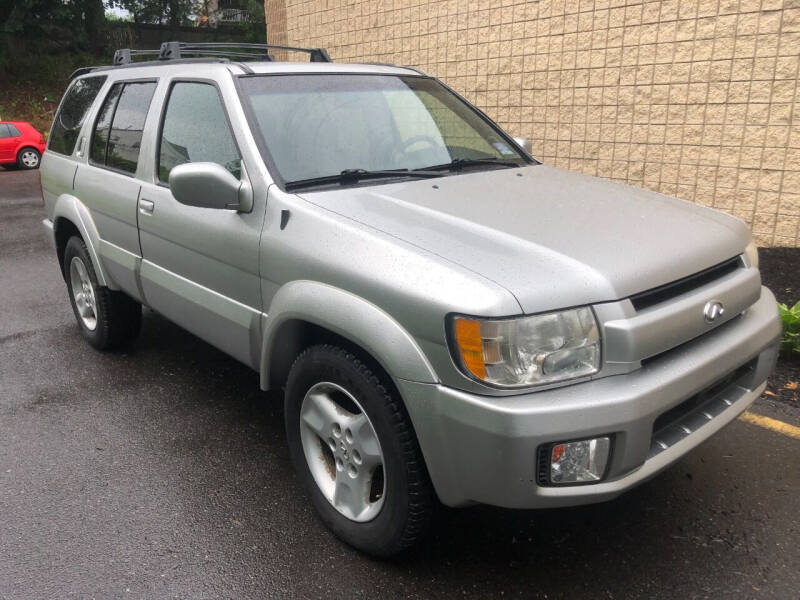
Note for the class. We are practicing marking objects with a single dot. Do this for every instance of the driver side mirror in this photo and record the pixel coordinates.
(209, 185)
(525, 144)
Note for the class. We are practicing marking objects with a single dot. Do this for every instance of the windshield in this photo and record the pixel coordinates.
(320, 125)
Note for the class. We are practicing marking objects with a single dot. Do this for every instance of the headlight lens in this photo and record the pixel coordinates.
(752, 253)
(529, 350)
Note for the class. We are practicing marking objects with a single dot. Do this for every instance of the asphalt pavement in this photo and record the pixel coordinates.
(162, 472)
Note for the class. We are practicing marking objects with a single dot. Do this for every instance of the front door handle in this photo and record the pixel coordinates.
(146, 207)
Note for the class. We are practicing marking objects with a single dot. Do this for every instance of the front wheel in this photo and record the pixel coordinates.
(29, 158)
(355, 451)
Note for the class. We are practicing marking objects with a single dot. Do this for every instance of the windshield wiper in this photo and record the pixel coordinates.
(356, 175)
(459, 163)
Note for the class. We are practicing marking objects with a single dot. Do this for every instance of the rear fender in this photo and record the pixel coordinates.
(70, 208)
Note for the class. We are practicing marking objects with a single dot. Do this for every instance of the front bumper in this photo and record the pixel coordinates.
(483, 449)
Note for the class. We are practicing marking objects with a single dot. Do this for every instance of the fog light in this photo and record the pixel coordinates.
(579, 462)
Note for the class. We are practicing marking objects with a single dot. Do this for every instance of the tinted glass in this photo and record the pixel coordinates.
(125, 138)
(69, 119)
(318, 125)
(184, 139)
(13, 131)
(97, 152)
(4, 133)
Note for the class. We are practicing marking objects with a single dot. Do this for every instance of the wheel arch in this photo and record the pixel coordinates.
(304, 313)
(71, 217)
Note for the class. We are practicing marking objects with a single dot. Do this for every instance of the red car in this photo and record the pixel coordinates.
(20, 144)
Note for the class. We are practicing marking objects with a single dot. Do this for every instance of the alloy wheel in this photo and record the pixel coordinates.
(342, 451)
(30, 159)
(83, 293)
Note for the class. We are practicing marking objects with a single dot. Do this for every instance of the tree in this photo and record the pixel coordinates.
(160, 12)
(72, 22)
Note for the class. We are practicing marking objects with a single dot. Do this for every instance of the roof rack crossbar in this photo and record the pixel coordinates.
(267, 57)
(174, 50)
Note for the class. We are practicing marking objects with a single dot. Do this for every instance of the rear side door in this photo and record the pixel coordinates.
(7, 144)
(107, 182)
(199, 265)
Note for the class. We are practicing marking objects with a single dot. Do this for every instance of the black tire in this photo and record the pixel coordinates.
(118, 316)
(28, 151)
(408, 502)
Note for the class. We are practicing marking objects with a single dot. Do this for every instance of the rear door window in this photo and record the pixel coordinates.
(117, 136)
(71, 114)
(4, 132)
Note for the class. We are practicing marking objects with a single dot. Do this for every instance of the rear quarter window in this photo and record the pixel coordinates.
(72, 113)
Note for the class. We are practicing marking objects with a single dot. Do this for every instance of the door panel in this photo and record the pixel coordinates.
(200, 269)
(111, 198)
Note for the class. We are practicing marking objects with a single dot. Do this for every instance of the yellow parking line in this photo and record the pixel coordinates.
(773, 424)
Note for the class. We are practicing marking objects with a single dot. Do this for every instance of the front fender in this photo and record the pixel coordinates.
(73, 210)
(351, 317)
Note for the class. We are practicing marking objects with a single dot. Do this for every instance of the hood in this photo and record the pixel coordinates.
(553, 238)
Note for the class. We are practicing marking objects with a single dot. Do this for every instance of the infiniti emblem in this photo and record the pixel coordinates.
(712, 311)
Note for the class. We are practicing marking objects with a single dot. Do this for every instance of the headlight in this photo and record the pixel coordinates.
(752, 253)
(528, 351)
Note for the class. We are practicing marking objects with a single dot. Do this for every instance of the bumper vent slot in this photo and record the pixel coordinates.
(688, 416)
(687, 284)
(543, 465)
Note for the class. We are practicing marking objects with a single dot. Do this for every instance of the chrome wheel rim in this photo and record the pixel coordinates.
(342, 451)
(30, 159)
(83, 293)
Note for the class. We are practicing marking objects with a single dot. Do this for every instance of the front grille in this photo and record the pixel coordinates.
(666, 292)
(660, 355)
(688, 416)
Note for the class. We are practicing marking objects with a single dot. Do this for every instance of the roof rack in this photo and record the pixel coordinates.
(239, 50)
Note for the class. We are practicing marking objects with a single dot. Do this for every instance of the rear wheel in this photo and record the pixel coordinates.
(28, 158)
(355, 451)
(107, 319)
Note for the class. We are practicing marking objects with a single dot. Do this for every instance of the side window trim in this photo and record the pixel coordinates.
(123, 83)
(110, 124)
(162, 117)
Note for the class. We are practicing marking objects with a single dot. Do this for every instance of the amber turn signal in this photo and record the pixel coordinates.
(470, 344)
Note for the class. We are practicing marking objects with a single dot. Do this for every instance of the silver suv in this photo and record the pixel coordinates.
(450, 319)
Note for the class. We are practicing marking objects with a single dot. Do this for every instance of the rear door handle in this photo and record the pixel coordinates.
(146, 207)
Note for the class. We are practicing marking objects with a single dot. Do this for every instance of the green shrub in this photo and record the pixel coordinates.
(790, 342)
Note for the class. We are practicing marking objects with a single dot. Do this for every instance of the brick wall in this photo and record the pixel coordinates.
(694, 98)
